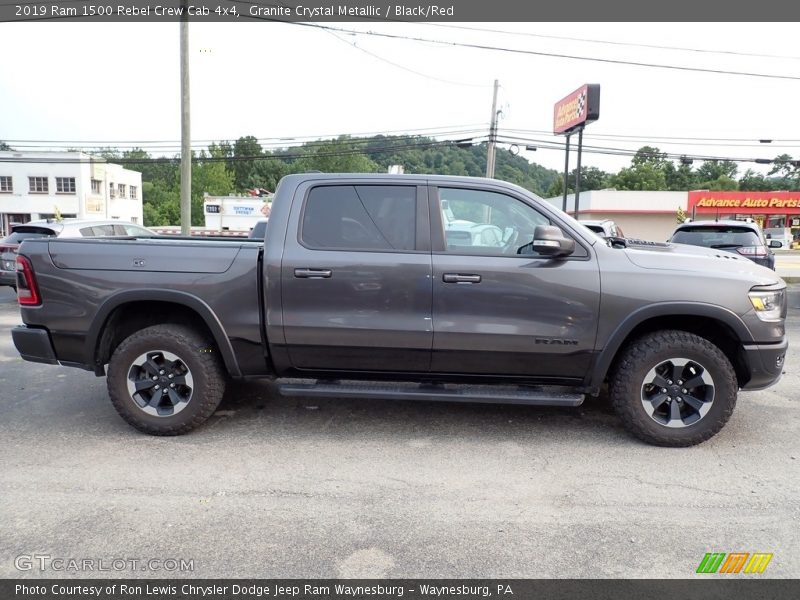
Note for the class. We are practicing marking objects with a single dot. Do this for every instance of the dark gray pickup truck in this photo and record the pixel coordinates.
(409, 287)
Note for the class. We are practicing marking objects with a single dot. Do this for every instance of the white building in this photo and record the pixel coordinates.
(234, 213)
(640, 214)
(41, 185)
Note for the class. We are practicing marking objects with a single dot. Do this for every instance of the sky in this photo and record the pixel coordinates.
(119, 84)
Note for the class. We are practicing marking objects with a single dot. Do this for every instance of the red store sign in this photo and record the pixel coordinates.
(768, 203)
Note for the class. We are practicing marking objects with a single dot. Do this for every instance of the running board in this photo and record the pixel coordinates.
(488, 394)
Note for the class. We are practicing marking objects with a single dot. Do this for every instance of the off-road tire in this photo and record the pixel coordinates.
(200, 358)
(642, 356)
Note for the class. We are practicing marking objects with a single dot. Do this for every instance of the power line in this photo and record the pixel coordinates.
(403, 67)
(611, 151)
(553, 37)
(527, 52)
(541, 144)
(611, 42)
(440, 130)
(211, 159)
(357, 142)
(657, 137)
(319, 140)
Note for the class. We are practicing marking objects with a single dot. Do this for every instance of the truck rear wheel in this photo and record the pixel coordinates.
(673, 388)
(165, 379)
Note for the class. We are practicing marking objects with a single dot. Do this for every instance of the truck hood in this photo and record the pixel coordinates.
(682, 257)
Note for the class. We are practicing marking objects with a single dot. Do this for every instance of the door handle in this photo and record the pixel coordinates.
(313, 273)
(458, 278)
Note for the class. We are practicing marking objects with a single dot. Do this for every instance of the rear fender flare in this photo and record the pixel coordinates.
(191, 302)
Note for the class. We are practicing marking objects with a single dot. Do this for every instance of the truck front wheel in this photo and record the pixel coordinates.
(673, 388)
(165, 379)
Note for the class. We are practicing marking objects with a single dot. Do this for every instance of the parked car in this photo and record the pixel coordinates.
(356, 280)
(781, 234)
(64, 228)
(605, 228)
(8, 254)
(738, 237)
(258, 230)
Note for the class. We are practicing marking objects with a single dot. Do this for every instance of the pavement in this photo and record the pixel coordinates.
(787, 265)
(279, 487)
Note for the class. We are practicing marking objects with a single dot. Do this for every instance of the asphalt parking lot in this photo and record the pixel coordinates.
(278, 487)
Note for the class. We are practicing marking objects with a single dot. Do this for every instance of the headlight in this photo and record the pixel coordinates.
(769, 305)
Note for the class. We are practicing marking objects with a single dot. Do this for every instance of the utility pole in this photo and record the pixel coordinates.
(186, 139)
(490, 151)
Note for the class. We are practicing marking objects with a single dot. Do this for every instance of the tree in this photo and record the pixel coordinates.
(645, 176)
(4, 146)
(265, 173)
(556, 188)
(110, 154)
(716, 174)
(209, 176)
(722, 183)
(789, 171)
(680, 178)
(162, 205)
(755, 182)
(592, 178)
(242, 168)
(342, 155)
(648, 155)
(647, 171)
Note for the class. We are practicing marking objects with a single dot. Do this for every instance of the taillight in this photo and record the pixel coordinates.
(752, 250)
(27, 290)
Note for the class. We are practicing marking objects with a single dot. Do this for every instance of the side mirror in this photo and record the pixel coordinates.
(549, 240)
(775, 244)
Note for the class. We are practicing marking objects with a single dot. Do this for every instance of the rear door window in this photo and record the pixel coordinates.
(361, 217)
(134, 230)
(97, 231)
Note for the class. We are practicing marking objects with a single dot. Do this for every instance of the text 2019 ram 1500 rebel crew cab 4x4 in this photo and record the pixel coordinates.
(410, 286)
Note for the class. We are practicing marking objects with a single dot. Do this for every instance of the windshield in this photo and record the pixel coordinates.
(717, 237)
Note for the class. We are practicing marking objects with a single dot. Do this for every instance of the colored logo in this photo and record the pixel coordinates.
(735, 562)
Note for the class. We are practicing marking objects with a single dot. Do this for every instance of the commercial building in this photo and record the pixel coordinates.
(640, 214)
(653, 215)
(42, 185)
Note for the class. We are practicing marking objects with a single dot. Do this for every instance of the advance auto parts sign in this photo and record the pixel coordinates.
(745, 202)
(580, 107)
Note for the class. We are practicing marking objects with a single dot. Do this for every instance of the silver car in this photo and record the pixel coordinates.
(65, 228)
(604, 228)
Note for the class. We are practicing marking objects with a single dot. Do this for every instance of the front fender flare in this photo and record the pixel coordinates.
(695, 309)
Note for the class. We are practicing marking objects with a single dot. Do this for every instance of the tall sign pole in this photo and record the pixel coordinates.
(186, 138)
(578, 173)
(570, 114)
(566, 170)
(490, 151)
